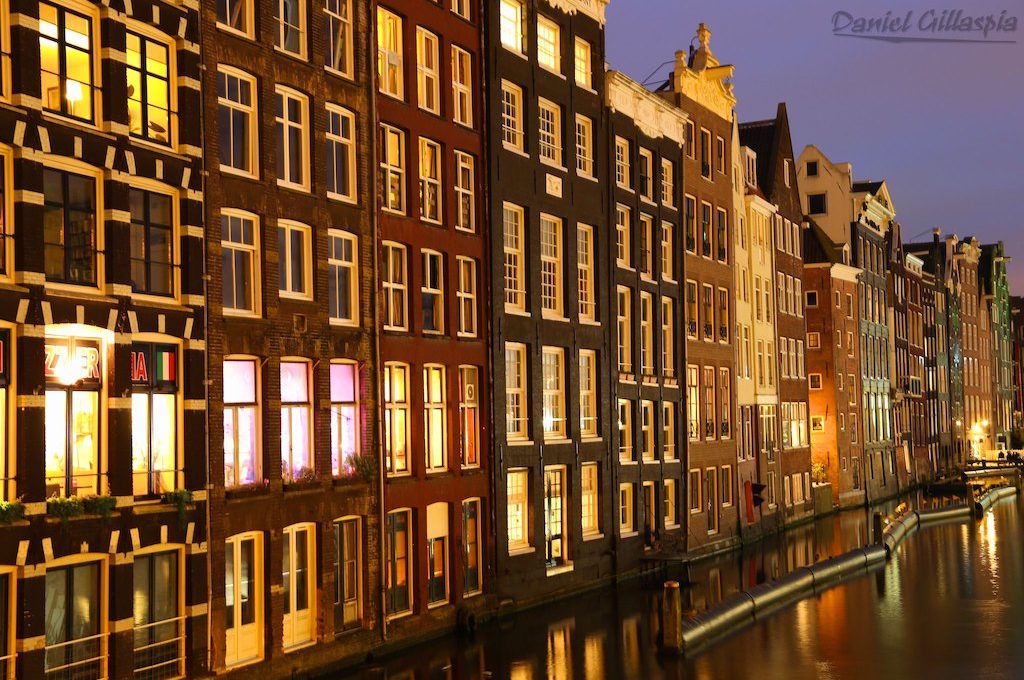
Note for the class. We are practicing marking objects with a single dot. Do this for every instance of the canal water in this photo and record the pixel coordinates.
(950, 604)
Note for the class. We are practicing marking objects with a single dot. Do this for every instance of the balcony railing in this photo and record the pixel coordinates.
(81, 659)
(159, 649)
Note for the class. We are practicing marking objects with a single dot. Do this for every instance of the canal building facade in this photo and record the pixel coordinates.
(558, 514)
(701, 86)
(645, 141)
(973, 430)
(1017, 316)
(996, 296)
(917, 374)
(904, 387)
(294, 460)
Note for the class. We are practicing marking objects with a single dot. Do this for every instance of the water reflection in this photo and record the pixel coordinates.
(947, 606)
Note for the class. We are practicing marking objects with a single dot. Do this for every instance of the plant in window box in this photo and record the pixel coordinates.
(180, 498)
(364, 467)
(99, 505)
(302, 476)
(64, 507)
(11, 511)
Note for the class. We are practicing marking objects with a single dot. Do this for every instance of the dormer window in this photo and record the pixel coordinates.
(751, 167)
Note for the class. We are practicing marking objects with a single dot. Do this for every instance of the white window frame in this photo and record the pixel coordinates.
(549, 133)
(552, 250)
(338, 143)
(338, 15)
(349, 267)
(588, 393)
(466, 294)
(435, 417)
(433, 267)
(285, 289)
(393, 168)
(517, 393)
(584, 146)
(462, 86)
(622, 164)
(513, 133)
(511, 22)
(517, 497)
(279, 38)
(252, 251)
(514, 218)
(235, 654)
(627, 511)
(395, 289)
(428, 70)
(299, 626)
(431, 179)
(549, 44)
(251, 112)
(586, 293)
(396, 408)
(582, 63)
(465, 192)
(390, 57)
(553, 393)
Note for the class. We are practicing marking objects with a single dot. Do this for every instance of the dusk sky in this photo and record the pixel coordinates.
(942, 123)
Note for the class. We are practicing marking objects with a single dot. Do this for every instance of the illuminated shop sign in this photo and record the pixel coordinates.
(73, 361)
(154, 365)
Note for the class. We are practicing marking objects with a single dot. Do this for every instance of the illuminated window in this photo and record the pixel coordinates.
(512, 116)
(553, 367)
(647, 430)
(693, 402)
(152, 242)
(295, 258)
(435, 418)
(671, 515)
(514, 257)
(668, 183)
(159, 628)
(555, 538)
(241, 423)
(462, 86)
(6, 209)
(239, 261)
(236, 15)
(7, 462)
(149, 91)
(549, 45)
(432, 291)
(342, 277)
(622, 237)
(668, 337)
(461, 7)
(512, 14)
(626, 511)
(465, 192)
(625, 431)
(469, 415)
(344, 378)
(471, 537)
(467, 297)
(298, 572)
(392, 168)
(585, 290)
(154, 374)
(338, 36)
(243, 595)
(584, 146)
(341, 153)
(74, 376)
(581, 63)
(296, 427)
(646, 246)
(348, 571)
(427, 76)
(395, 280)
(551, 260)
(624, 327)
(66, 53)
(646, 334)
(588, 393)
(516, 414)
(239, 140)
(291, 26)
(390, 76)
(668, 253)
(691, 224)
(549, 132)
(69, 227)
(590, 492)
(430, 180)
(668, 430)
(396, 418)
(75, 621)
(517, 498)
(709, 403)
(646, 174)
(398, 563)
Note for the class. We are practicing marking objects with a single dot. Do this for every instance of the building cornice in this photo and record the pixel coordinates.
(595, 9)
(655, 117)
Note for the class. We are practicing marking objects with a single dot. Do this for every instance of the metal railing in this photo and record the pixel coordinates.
(163, 658)
(80, 659)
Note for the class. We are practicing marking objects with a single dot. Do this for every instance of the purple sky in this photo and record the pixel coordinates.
(942, 123)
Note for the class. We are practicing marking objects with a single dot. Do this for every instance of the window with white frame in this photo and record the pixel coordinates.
(236, 102)
(584, 146)
(646, 174)
(623, 236)
(428, 81)
(555, 529)
(582, 63)
(624, 326)
(514, 257)
(296, 422)
(668, 183)
(646, 246)
(671, 513)
(512, 116)
(348, 572)
(461, 7)
(647, 430)
(511, 18)
(398, 540)
(392, 169)
(549, 132)
(432, 291)
(588, 393)
(158, 626)
(469, 415)
(693, 427)
(668, 430)
(435, 417)
(240, 261)
(396, 417)
(622, 171)
(341, 153)
(395, 280)
(467, 297)
(299, 583)
(646, 334)
(465, 192)
(585, 291)
(149, 71)
(551, 260)
(291, 26)
(236, 16)
(462, 86)
(342, 277)
(430, 180)
(625, 431)
(668, 253)
(590, 500)
(725, 402)
(344, 393)
(516, 392)
(549, 44)
(242, 433)
(243, 594)
(668, 337)
(390, 70)
(517, 497)
(338, 36)
(553, 386)
(295, 259)
(626, 519)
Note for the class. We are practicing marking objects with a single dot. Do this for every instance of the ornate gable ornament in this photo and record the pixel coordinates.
(704, 79)
(595, 9)
(655, 117)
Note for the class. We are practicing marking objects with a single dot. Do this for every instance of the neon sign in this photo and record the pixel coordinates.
(72, 361)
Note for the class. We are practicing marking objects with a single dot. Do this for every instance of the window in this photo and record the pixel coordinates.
(626, 431)
(341, 153)
(668, 430)
(515, 258)
(549, 45)
(69, 227)
(342, 277)
(238, 136)
(705, 229)
(516, 393)
(236, 16)
(691, 224)
(646, 334)
(338, 36)
(390, 68)
(622, 172)
(647, 431)
(693, 402)
(624, 325)
(726, 486)
(291, 26)
(589, 500)
(395, 278)
(691, 145)
(467, 297)
(553, 367)
(627, 525)
(296, 422)
(551, 260)
(812, 298)
(512, 15)
(818, 422)
(239, 261)
(813, 340)
(428, 89)
(398, 563)
(668, 341)
(622, 237)
(588, 393)
(435, 417)
(299, 584)
(708, 311)
(511, 114)
(471, 538)
(75, 621)
(723, 315)
(432, 291)
(668, 254)
(66, 61)
(695, 491)
(152, 242)
(469, 415)
(155, 468)
(295, 254)
(348, 573)
(812, 168)
(721, 234)
(517, 496)
(705, 154)
(582, 63)
(709, 403)
(720, 155)
(725, 394)
(585, 293)
(148, 69)
(396, 417)
(344, 388)
(555, 543)
(646, 246)
(691, 309)
(465, 192)
(668, 183)
(243, 595)
(584, 146)
(816, 204)
(242, 434)
(549, 132)
(646, 174)
(430, 180)
(671, 515)
(462, 86)
(159, 628)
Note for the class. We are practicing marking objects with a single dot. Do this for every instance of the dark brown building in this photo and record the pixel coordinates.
(432, 260)
(557, 512)
(294, 464)
(645, 139)
(974, 342)
(102, 394)
(906, 390)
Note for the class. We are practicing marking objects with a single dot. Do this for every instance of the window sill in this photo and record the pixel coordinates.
(627, 462)
(516, 150)
(548, 70)
(553, 165)
(342, 198)
(521, 551)
(400, 615)
(559, 441)
(553, 317)
(561, 569)
(590, 322)
(335, 72)
(405, 474)
(519, 442)
(591, 440)
(437, 605)
(515, 312)
(298, 647)
(236, 172)
(589, 178)
(672, 527)
(592, 537)
(628, 534)
(242, 664)
(393, 211)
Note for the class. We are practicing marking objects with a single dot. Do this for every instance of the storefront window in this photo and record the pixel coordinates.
(154, 371)
(241, 431)
(73, 371)
(344, 416)
(6, 467)
(296, 447)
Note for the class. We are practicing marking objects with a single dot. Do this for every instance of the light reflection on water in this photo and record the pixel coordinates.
(947, 606)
